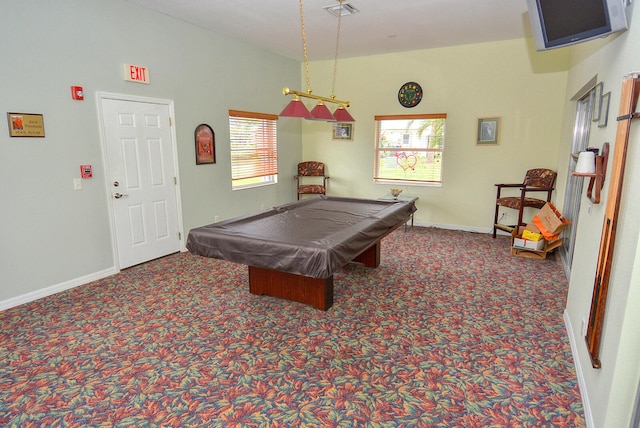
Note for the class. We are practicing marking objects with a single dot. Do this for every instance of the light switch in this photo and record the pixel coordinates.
(77, 184)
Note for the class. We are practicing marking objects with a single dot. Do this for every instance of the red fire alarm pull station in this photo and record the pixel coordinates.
(77, 93)
(86, 171)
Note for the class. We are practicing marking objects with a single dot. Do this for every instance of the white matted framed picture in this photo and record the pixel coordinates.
(343, 131)
(604, 110)
(488, 131)
(597, 101)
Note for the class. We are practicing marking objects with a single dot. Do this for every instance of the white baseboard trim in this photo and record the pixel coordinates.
(576, 362)
(57, 288)
(456, 227)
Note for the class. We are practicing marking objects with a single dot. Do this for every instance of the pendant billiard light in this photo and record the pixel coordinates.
(321, 112)
(296, 108)
(342, 115)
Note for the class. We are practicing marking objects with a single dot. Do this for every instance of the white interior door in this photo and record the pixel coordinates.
(142, 179)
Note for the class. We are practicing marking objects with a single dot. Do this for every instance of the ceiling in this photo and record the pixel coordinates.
(380, 26)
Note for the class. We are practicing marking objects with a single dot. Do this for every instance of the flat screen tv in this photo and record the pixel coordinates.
(558, 23)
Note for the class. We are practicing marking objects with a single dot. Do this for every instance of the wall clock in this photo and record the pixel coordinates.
(410, 94)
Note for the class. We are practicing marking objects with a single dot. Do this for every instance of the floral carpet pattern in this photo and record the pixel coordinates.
(449, 331)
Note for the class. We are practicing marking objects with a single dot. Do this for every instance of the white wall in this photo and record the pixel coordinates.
(610, 391)
(465, 82)
(52, 234)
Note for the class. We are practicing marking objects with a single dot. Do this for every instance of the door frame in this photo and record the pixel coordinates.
(584, 99)
(100, 96)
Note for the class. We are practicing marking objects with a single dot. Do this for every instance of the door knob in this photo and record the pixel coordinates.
(119, 195)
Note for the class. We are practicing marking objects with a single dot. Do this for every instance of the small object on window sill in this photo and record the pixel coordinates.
(395, 193)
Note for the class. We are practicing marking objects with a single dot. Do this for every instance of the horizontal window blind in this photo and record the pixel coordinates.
(254, 148)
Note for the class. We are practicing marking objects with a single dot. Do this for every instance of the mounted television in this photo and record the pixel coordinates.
(558, 23)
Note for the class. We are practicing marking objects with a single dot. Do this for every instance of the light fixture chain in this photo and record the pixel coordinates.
(296, 108)
(335, 59)
(304, 48)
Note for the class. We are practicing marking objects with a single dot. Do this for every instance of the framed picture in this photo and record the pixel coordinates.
(488, 131)
(205, 144)
(597, 101)
(604, 110)
(343, 131)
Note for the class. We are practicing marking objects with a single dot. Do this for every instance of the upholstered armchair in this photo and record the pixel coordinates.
(535, 180)
(311, 178)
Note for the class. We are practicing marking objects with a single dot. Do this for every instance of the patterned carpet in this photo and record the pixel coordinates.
(450, 331)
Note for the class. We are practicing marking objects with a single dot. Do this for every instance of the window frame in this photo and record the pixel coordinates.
(377, 176)
(263, 171)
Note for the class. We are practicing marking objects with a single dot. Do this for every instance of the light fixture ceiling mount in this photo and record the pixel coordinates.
(341, 9)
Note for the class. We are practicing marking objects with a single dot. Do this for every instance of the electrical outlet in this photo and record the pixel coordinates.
(261, 207)
(77, 184)
(502, 216)
(584, 327)
(216, 219)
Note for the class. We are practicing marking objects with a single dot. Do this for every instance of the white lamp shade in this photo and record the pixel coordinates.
(586, 163)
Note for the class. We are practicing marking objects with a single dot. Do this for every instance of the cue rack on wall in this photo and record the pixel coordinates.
(628, 102)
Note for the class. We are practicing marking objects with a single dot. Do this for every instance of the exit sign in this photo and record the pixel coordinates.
(136, 73)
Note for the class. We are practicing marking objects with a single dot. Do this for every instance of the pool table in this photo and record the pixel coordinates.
(293, 250)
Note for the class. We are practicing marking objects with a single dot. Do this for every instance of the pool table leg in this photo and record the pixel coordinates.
(317, 292)
(370, 257)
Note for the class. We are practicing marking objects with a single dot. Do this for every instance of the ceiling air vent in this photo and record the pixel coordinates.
(342, 9)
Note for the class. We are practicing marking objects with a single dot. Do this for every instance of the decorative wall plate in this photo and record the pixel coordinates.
(410, 94)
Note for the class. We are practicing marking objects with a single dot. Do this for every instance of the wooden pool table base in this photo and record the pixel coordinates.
(317, 292)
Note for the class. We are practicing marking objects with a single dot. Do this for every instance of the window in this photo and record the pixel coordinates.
(254, 149)
(409, 149)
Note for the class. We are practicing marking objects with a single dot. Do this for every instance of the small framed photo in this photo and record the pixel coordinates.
(488, 131)
(604, 110)
(205, 144)
(597, 102)
(343, 131)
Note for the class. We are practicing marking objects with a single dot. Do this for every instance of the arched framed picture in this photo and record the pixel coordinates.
(205, 144)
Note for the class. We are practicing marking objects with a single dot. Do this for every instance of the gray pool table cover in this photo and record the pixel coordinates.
(313, 237)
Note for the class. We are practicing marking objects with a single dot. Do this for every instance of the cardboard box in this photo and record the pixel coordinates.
(532, 227)
(522, 242)
(550, 222)
(531, 236)
(529, 252)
